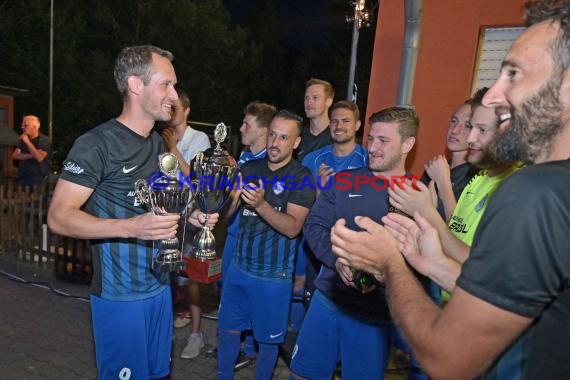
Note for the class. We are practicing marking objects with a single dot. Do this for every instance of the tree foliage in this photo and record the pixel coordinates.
(223, 64)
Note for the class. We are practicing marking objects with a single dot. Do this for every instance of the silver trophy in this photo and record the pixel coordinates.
(166, 195)
(216, 175)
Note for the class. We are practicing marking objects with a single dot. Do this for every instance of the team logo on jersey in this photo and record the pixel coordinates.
(72, 167)
(278, 187)
(479, 206)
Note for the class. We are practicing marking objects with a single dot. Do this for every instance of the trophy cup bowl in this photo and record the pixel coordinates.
(216, 175)
(166, 195)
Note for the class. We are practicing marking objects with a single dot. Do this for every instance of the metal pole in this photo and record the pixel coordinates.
(350, 95)
(413, 17)
(50, 107)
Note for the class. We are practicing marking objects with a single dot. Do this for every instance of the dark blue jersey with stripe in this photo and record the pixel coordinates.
(109, 159)
(260, 249)
(233, 225)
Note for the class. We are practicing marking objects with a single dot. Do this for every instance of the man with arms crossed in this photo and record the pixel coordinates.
(509, 315)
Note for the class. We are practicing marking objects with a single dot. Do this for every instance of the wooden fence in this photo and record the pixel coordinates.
(24, 233)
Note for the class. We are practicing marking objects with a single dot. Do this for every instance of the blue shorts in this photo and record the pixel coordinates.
(250, 302)
(228, 253)
(301, 263)
(133, 339)
(328, 335)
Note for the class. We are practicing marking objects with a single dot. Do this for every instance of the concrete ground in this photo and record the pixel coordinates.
(48, 336)
(45, 327)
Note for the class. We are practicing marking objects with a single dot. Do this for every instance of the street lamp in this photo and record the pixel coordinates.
(359, 18)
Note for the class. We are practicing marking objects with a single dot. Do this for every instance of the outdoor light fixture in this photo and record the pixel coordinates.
(360, 18)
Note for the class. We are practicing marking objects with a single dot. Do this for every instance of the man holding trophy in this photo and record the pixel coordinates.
(95, 199)
(273, 210)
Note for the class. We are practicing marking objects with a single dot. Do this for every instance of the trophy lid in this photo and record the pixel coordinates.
(168, 163)
(220, 134)
(223, 159)
(217, 156)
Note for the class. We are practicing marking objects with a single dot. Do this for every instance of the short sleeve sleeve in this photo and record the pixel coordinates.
(520, 257)
(84, 164)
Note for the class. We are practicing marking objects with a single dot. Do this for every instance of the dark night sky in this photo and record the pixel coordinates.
(306, 20)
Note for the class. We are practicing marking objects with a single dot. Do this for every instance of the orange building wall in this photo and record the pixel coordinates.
(446, 59)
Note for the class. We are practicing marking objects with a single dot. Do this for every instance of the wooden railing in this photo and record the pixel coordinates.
(24, 233)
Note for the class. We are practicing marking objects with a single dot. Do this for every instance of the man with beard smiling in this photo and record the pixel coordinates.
(457, 235)
(509, 316)
(271, 217)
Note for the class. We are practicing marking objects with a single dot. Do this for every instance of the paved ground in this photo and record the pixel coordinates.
(48, 336)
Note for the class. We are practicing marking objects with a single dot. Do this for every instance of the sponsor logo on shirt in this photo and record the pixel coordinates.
(248, 212)
(127, 171)
(458, 225)
(72, 167)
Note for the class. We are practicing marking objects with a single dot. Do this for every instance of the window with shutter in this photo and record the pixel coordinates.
(493, 45)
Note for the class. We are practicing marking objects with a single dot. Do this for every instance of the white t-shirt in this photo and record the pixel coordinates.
(192, 142)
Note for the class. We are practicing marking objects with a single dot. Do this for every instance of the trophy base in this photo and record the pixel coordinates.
(204, 271)
(204, 254)
(168, 262)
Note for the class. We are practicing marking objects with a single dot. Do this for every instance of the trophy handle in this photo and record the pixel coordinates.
(190, 197)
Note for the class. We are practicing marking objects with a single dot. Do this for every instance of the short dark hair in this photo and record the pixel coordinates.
(556, 11)
(263, 112)
(136, 60)
(347, 104)
(184, 98)
(406, 117)
(288, 115)
(329, 89)
(477, 99)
